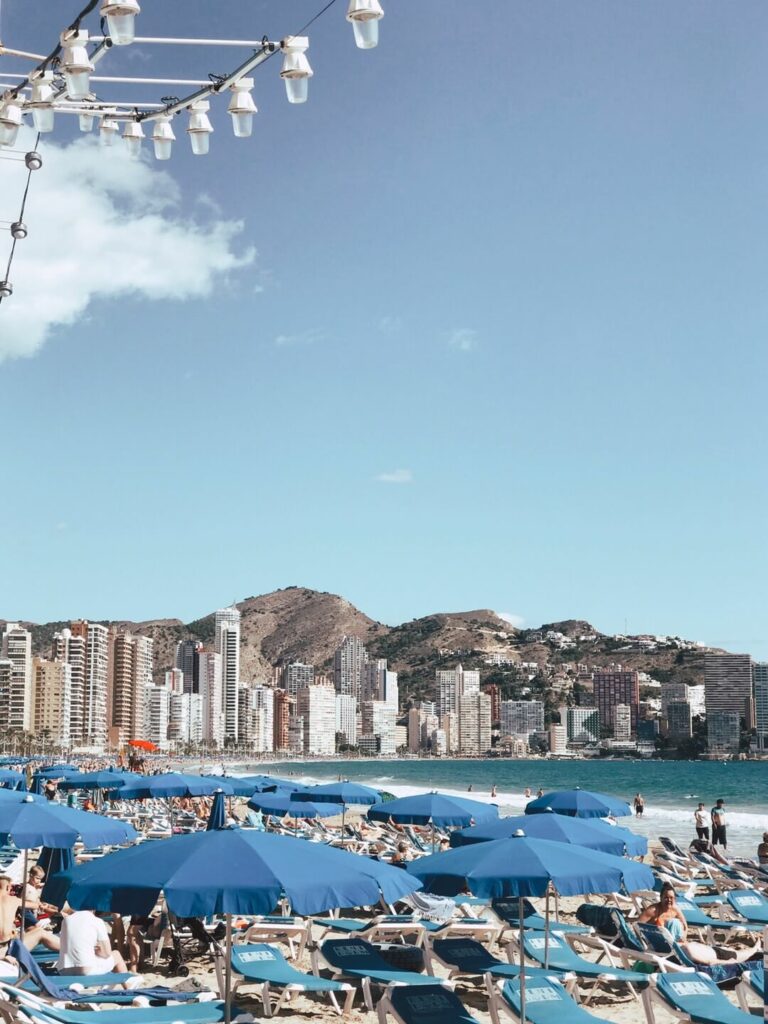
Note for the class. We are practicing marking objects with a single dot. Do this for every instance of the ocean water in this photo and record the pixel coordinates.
(671, 789)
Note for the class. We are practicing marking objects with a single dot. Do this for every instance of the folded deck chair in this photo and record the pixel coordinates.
(546, 1002)
(468, 958)
(427, 1004)
(695, 997)
(59, 987)
(749, 904)
(358, 959)
(266, 966)
(508, 912)
(563, 958)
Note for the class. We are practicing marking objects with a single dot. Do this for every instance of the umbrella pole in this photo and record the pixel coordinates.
(343, 826)
(557, 906)
(433, 837)
(522, 959)
(228, 974)
(546, 932)
(23, 895)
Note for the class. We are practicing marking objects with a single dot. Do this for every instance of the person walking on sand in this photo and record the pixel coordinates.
(493, 792)
(718, 824)
(701, 819)
(639, 805)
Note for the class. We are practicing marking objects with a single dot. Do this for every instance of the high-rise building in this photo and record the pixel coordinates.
(612, 689)
(494, 692)
(348, 666)
(582, 725)
(209, 681)
(129, 673)
(296, 734)
(16, 703)
(727, 683)
(227, 645)
(760, 683)
(679, 720)
(521, 717)
(622, 722)
(297, 676)
(452, 684)
(174, 680)
(723, 732)
(256, 717)
(185, 716)
(186, 660)
(474, 724)
(52, 686)
(449, 724)
(558, 739)
(94, 719)
(379, 719)
(71, 648)
(346, 719)
(285, 705)
(157, 715)
(316, 706)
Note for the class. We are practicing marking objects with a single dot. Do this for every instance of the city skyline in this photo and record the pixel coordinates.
(454, 334)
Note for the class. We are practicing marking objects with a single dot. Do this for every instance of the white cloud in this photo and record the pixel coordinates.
(102, 226)
(514, 620)
(309, 337)
(463, 338)
(396, 476)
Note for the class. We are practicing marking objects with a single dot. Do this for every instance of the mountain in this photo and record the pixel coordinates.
(298, 624)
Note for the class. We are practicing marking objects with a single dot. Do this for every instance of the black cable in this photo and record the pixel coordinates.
(53, 55)
(21, 218)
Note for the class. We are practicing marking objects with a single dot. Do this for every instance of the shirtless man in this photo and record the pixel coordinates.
(9, 909)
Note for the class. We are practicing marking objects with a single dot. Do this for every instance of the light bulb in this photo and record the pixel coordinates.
(33, 161)
(199, 128)
(108, 129)
(41, 101)
(163, 137)
(121, 20)
(75, 63)
(242, 108)
(19, 230)
(296, 70)
(133, 133)
(6, 289)
(86, 122)
(365, 16)
(10, 122)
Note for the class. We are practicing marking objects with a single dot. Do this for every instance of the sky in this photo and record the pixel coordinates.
(481, 325)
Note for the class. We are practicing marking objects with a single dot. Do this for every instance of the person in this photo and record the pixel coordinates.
(702, 822)
(527, 793)
(717, 815)
(493, 792)
(539, 792)
(639, 805)
(10, 906)
(85, 946)
(762, 850)
(33, 905)
(400, 856)
(49, 789)
(469, 788)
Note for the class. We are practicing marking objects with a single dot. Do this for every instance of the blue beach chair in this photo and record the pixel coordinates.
(266, 966)
(750, 905)
(359, 960)
(40, 1012)
(428, 1004)
(508, 912)
(660, 941)
(752, 981)
(546, 1002)
(695, 997)
(466, 958)
(696, 918)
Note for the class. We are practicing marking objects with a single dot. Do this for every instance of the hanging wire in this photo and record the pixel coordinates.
(12, 253)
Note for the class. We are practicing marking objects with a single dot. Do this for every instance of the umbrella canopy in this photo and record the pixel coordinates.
(433, 809)
(593, 833)
(56, 771)
(528, 867)
(231, 871)
(31, 821)
(53, 859)
(579, 803)
(238, 786)
(268, 783)
(109, 779)
(281, 805)
(142, 745)
(171, 784)
(340, 793)
(218, 816)
(12, 780)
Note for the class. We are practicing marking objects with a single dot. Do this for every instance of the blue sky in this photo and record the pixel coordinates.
(489, 330)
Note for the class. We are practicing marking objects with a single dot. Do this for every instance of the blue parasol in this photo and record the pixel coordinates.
(579, 803)
(218, 816)
(592, 833)
(436, 809)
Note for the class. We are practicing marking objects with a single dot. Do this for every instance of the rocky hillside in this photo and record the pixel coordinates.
(297, 624)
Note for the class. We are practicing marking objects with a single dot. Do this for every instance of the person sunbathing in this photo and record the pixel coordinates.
(10, 908)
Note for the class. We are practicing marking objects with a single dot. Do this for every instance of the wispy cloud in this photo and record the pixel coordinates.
(514, 620)
(390, 325)
(464, 339)
(104, 226)
(311, 336)
(396, 476)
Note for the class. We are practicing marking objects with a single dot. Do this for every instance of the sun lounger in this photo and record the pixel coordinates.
(660, 941)
(293, 931)
(466, 958)
(267, 967)
(613, 938)
(696, 918)
(693, 997)
(749, 904)
(387, 926)
(358, 959)
(546, 1002)
(508, 912)
(428, 1004)
(563, 958)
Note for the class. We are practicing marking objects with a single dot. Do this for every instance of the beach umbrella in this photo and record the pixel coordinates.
(522, 866)
(238, 786)
(268, 783)
(171, 784)
(579, 803)
(12, 780)
(592, 833)
(435, 809)
(57, 771)
(109, 779)
(218, 816)
(142, 745)
(53, 859)
(283, 805)
(232, 871)
(38, 785)
(342, 792)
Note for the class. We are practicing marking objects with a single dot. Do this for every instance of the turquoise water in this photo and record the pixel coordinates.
(671, 789)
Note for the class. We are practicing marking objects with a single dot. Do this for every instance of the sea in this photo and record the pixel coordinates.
(672, 789)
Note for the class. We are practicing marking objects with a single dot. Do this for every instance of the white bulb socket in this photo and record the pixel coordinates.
(76, 65)
(296, 71)
(199, 128)
(11, 117)
(133, 133)
(41, 101)
(163, 138)
(242, 108)
(121, 20)
(365, 16)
